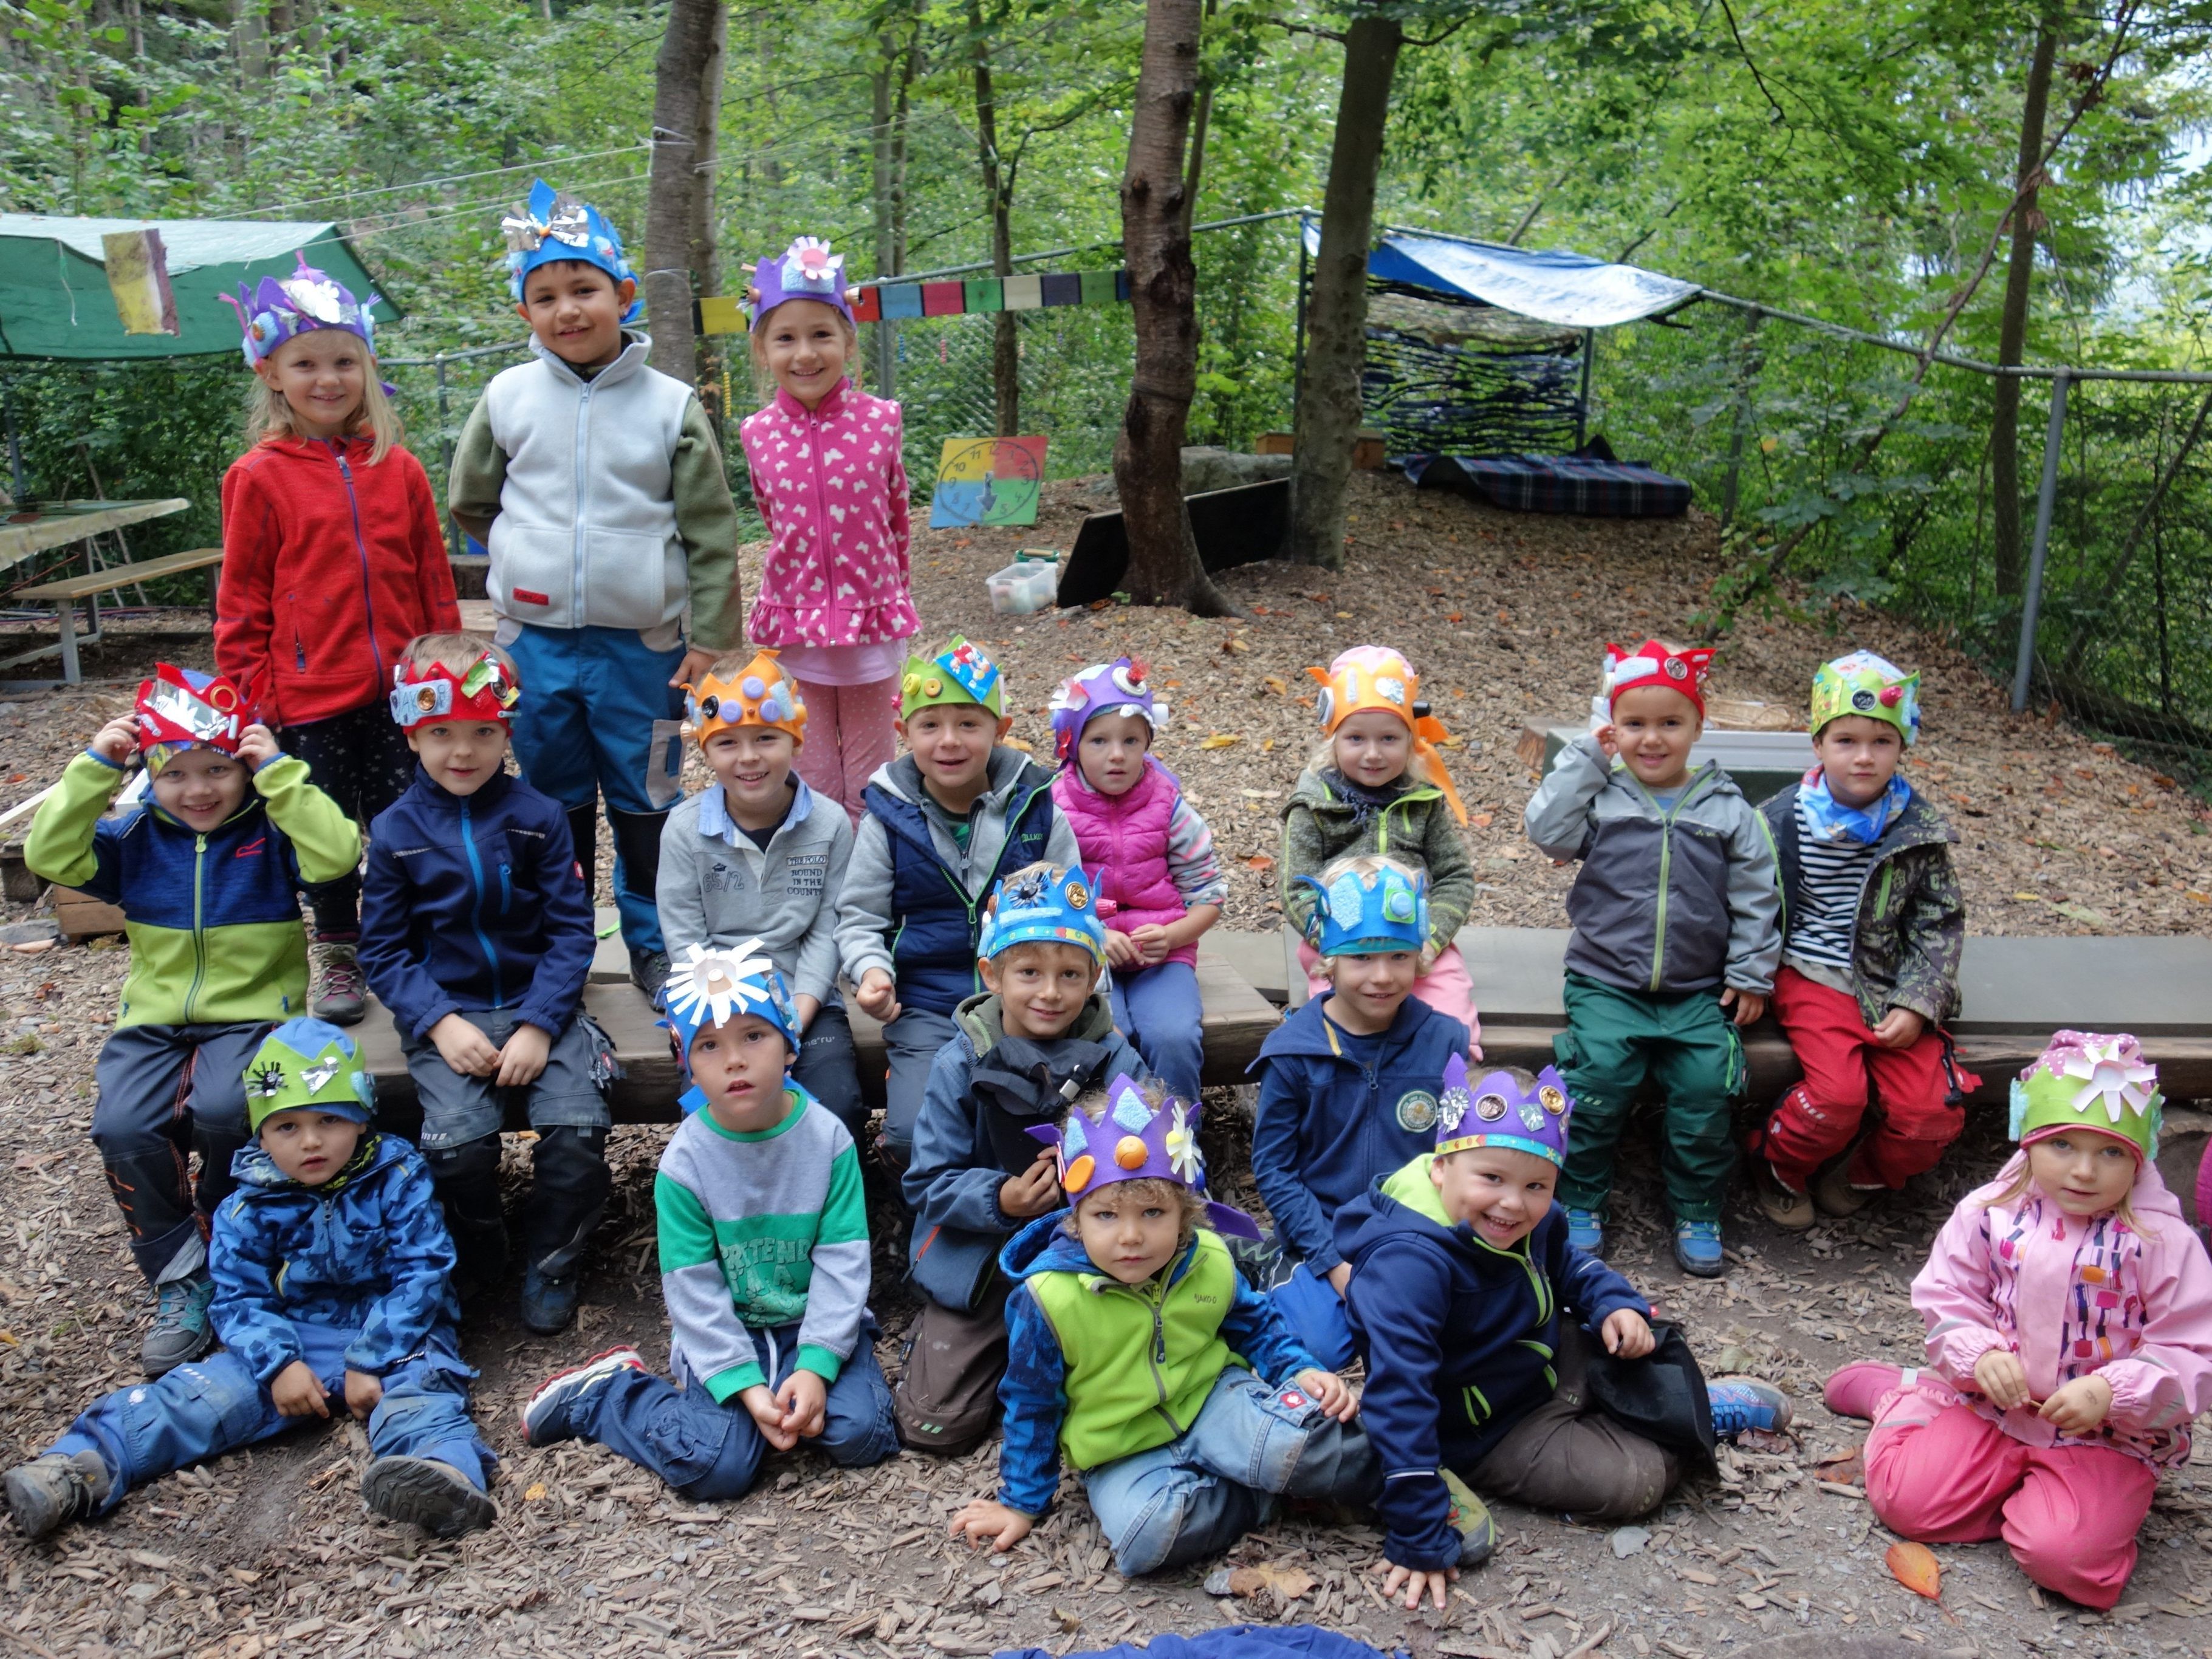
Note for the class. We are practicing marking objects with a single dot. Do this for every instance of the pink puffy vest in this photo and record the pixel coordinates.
(1124, 840)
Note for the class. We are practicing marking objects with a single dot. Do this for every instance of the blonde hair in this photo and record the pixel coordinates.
(2016, 1189)
(456, 654)
(1093, 1105)
(764, 386)
(269, 418)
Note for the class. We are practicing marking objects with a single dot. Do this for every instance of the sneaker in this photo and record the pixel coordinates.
(1470, 1519)
(1745, 1402)
(1833, 1192)
(424, 1492)
(182, 1330)
(549, 1304)
(1789, 1210)
(1585, 1231)
(648, 971)
(545, 1413)
(1698, 1249)
(49, 1492)
(337, 990)
(1858, 1388)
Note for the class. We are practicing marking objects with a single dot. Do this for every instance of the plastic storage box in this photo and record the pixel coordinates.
(1021, 588)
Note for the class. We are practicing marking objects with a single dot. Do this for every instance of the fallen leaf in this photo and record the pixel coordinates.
(1222, 740)
(1236, 644)
(1915, 1566)
(1259, 861)
(1287, 1583)
(1456, 616)
(1481, 821)
(2029, 898)
(535, 1493)
(1274, 683)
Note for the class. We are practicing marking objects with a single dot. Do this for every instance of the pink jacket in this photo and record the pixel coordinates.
(832, 487)
(1124, 840)
(2072, 1297)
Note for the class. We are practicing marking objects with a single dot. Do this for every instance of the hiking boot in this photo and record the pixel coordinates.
(549, 1304)
(1698, 1249)
(1260, 1264)
(1858, 1388)
(337, 992)
(181, 1330)
(545, 1413)
(1745, 1402)
(1585, 1231)
(1833, 1191)
(648, 971)
(49, 1492)
(1470, 1519)
(1789, 1210)
(424, 1492)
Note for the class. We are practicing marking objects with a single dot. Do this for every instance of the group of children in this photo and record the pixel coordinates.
(1026, 934)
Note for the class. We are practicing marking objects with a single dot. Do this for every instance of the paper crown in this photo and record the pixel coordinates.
(1134, 1141)
(307, 1063)
(761, 694)
(1119, 687)
(1356, 915)
(1652, 663)
(712, 987)
(421, 693)
(1506, 1108)
(2089, 1080)
(1375, 676)
(806, 270)
(275, 309)
(960, 673)
(1043, 905)
(1864, 684)
(181, 706)
(554, 225)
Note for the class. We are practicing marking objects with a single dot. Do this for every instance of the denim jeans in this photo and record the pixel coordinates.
(1315, 1312)
(1156, 1008)
(912, 1039)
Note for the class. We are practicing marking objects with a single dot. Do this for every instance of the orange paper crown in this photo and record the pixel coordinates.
(760, 693)
(1374, 677)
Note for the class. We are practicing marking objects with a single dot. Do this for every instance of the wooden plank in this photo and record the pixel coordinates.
(28, 530)
(80, 915)
(76, 587)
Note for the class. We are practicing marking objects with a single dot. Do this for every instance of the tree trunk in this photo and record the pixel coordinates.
(1164, 564)
(2012, 327)
(1326, 424)
(997, 188)
(1193, 174)
(892, 89)
(672, 209)
(704, 253)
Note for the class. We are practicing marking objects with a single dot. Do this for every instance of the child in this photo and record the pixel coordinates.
(1039, 1035)
(1347, 1085)
(209, 875)
(596, 484)
(764, 1264)
(1873, 929)
(1140, 1355)
(2070, 1338)
(476, 934)
(1676, 900)
(331, 1266)
(1379, 786)
(1461, 1270)
(1150, 858)
(332, 561)
(829, 481)
(944, 822)
(755, 859)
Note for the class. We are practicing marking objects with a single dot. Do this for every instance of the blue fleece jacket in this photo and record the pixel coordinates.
(365, 1253)
(1033, 1390)
(1330, 1124)
(1458, 1336)
(474, 902)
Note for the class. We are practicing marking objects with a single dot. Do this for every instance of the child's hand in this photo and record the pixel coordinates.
(1035, 1192)
(1430, 953)
(118, 740)
(1627, 1333)
(1152, 944)
(1331, 1392)
(2080, 1406)
(805, 1007)
(1122, 950)
(806, 1402)
(1900, 1028)
(296, 1391)
(2000, 1376)
(1748, 1005)
(768, 1415)
(694, 667)
(464, 1048)
(986, 1517)
(524, 1055)
(1415, 1583)
(878, 996)
(1339, 1277)
(258, 747)
(362, 1392)
(1609, 742)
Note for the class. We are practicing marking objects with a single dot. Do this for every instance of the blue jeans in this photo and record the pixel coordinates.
(1315, 1312)
(912, 1041)
(827, 1069)
(212, 1405)
(707, 1451)
(1198, 1495)
(1156, 1008)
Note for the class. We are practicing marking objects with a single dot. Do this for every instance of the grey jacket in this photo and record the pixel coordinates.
(712, 892)
(865, 922)
(1667, 902)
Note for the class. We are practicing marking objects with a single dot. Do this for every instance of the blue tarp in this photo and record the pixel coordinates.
(1571, 290)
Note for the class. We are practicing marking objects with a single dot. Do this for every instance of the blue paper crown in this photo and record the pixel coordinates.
(708, 986)
(554, 225)
(1356, 916)
(1045, 905)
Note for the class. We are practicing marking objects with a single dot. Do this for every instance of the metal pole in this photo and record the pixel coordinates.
(446, 444)
(1581, 398)
(1299, 349)
(2024, 662)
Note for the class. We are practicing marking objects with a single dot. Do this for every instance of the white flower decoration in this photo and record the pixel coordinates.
(709, 987)
(2109, 1076)
(1183, 1148)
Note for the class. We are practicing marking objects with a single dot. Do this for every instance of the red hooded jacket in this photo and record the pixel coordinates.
(330, 567)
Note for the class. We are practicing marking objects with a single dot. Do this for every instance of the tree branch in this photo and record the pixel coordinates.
(1744, 51)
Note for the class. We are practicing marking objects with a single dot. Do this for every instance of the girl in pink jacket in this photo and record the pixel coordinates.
(829, 481)
(2070, 1338)
(1149, 856)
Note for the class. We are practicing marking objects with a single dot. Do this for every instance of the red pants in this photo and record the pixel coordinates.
(1937, 1472)
(1845, 1069)
(849, 735)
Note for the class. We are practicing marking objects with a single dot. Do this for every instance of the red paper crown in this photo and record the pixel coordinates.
(183, 706)
(1652, 663)
(485, 690)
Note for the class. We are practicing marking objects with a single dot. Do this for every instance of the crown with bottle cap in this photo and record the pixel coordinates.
(1120, 687)
(486, 689)
(709, 986)
(179, 708)
(1506, 1107)
(1042, 905)
(278, 309)
(762, 693)
(1864, 684)
(553, 225)
(1136, 1139)
(1375, 676)
(2089, 1080)
(1655, 663)
(307, 1063)
(959, 673)
(1366, 912)
(807, 269)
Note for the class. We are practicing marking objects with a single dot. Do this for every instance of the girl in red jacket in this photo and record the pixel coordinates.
(332, 561)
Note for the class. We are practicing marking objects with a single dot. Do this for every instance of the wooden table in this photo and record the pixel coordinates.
(27, 531)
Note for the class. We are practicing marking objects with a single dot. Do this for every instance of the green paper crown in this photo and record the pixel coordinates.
(2088, 1080)
(960, 673)
(1864, 684)
(306, 1062)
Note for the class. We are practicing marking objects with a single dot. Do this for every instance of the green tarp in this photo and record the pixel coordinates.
(54, 300)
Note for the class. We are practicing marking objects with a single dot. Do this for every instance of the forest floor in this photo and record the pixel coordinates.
(269, 1551)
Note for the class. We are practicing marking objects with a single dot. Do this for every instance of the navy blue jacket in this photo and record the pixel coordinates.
(1328, 1127)
(1458, 1336)
(475, 902)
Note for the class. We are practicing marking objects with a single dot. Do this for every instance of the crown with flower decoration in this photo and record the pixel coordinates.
(2089, 1080)
(278, 308)
(1119, 687)
(1864, 684)
(1653, 663)
(1507, 1107)
(712, 987)
(1136, 1140)
(306, 1062)
(181, 706)
(806, 270)
(486, 689)
(553, 225)
(1368, 912)
(959, 673)
(762, 694)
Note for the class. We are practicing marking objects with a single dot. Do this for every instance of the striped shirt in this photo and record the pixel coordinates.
(1832, 874)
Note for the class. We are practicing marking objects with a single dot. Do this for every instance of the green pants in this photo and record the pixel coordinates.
(1613, 1041)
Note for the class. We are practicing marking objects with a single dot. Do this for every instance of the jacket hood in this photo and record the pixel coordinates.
(903, 777)
(634, 348)
(1405, 1204)
(2150, 1196)
(1310, 1037)
(1044, 1247)
(983, 1020)
(257, 1173)
(1312, 790)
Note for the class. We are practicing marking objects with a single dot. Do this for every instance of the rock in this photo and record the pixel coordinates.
(1628, 1540)
(37, 931)
(1206, 468)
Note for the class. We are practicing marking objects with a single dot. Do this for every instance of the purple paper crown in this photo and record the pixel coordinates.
(1119, 687)
(1501, 1110)
(275, 310)
(807, 269)
(1133, 1142)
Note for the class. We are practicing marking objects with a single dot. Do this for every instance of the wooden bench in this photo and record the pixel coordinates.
(64, 595)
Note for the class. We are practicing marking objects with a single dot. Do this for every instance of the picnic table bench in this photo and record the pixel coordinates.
(64, 593)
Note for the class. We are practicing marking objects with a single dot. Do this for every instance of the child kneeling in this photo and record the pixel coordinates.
(331, 1268)
(1138, 1351)
(764, 1264)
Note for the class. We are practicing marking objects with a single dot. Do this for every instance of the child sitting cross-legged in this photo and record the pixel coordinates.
(1141, 1356)
(330, 1267)
(1461, 1269)
(1041, 1035)
(764, 1264)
